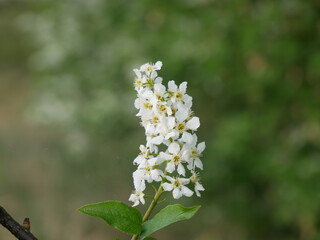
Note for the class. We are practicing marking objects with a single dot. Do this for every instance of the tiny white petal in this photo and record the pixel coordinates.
(199, 186)
(142, 200)
(167, 186)
(152, 161)
(170, 178)
(201, 147)
(157, 140)
(158, 80)
(147, 94)
(156, 175)
(174, 148)
(164, 156)
(158, 65)
(187, 101)
(193, 123)
(172, 86)
(171, 122)
(176, 193)
(187, 138)
(172, 134)
(198, 163)
(183, 87)
(182, 114)
(137, 103)
(181, 170)
(138, 159)
(186, 191)
(194, 139)
(170, 167)
(159, 88)
(154, 74)
(184, 181)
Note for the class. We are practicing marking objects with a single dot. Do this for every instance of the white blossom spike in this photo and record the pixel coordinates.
(170, 127)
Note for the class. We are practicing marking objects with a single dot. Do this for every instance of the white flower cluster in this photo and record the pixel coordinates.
(171, 146)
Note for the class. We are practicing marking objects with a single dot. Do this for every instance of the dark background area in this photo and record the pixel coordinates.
(68, 130)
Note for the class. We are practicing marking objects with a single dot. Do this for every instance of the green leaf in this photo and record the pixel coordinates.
(167, 216)
(150, 238)
(117, 215)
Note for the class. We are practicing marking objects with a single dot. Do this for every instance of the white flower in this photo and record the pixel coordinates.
(149, 68)
(162, 108)
(148, 170)
(136, 197)
(179, 94)
(197, 185)
(178, 187)
(159, 93)
(153, 141)
(159, 125)
(144, 153)
(194, 151)
(143, 104)
(176, 159)
(182, 127)
(139, 80)
(138, 180)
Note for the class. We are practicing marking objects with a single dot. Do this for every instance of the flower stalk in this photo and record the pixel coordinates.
(150, 208)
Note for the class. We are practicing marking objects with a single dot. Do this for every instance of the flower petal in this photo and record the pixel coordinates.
(182, 114)
(201, 147)
(174, 148)
(199, 186)
(184, 181)
(170, 178)
(155, 175)
(172, 86)
(193, 123)
(198, 163)
(183, 87)
(137, 72)
(157, 140)
(176, 193)
(167, 186)
(186, 191)
(142, 199)
(181, 170)
(164, 156)
(171, 121)
(158, 65)
(187, 138)
(170, 167)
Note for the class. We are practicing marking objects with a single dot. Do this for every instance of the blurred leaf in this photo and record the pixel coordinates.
(167, 216)
(117, 215)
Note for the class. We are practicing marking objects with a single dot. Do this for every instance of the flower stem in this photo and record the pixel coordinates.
(153, 204)
(151, 207)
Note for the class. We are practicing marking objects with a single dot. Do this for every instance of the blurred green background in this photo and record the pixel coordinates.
(68, 130)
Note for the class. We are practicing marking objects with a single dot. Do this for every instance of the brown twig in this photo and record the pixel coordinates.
(15, 228)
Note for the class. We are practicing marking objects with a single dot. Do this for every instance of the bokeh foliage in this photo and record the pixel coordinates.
(253, 69)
